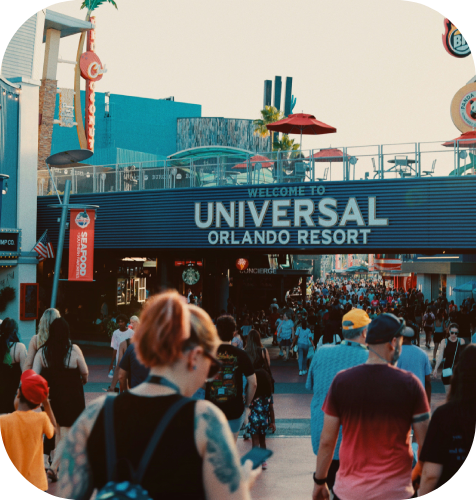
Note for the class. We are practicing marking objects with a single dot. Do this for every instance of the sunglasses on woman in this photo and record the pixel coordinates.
(215, 366)
(454, 333)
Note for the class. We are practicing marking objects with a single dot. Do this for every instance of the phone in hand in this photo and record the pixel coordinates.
(257, 456)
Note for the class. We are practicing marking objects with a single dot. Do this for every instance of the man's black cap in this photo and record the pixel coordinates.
(385, 327)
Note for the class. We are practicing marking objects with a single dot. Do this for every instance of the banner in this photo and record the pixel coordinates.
(81, 245)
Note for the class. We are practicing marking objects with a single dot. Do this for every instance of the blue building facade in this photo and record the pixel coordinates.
(132, 129)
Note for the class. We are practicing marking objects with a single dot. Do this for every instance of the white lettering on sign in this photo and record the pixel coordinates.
(236, 214)
(95, 69)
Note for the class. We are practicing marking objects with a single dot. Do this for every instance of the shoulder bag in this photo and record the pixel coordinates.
(448, 372)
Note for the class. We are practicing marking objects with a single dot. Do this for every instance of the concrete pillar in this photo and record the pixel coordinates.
(25, 271)
(424, 285)
(48, 96)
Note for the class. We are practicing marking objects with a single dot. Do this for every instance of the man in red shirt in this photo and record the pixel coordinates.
(377, 404)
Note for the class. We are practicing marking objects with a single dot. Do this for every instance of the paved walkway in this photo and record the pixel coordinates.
(289, 473)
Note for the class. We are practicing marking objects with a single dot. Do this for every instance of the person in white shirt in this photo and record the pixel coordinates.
(119, 335)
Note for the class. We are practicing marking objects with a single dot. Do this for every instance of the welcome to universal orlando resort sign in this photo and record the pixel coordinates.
(307, 209)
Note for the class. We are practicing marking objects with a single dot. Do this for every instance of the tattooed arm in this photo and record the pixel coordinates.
(222, 474)
(75, 479)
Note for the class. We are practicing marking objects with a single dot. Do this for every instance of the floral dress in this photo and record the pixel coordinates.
(259, 419)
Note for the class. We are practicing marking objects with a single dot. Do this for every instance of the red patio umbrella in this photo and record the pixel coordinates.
(265, 163)
(301, 123)
(466, 140)
(329, 154)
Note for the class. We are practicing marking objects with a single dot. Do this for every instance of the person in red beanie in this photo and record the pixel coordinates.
(22, 431)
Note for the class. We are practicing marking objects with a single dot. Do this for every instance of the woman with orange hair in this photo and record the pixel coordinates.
(196, 457)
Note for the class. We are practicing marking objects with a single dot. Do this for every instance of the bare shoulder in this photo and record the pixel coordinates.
(34, 342)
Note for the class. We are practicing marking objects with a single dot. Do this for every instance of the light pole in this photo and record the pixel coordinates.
(3, 178)
(60, 160)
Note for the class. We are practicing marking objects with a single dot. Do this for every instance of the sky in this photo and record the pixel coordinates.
(374, 69)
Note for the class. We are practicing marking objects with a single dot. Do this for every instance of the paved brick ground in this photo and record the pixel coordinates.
(289, 473)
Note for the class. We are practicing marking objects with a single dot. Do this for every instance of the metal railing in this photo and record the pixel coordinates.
(385, 161)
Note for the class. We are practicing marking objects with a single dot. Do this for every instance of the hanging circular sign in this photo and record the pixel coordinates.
(242, 264)
(454, 42)
(191, 276)
(91, 67)
(463, 108)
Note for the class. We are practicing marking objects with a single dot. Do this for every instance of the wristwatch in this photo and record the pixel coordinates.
(319, 482)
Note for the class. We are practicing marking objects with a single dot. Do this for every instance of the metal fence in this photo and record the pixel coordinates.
(385, 161)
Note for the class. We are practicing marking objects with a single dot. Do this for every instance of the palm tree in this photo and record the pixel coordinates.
(285, 144)
(268, 115)
(94, 4)
(90, 5)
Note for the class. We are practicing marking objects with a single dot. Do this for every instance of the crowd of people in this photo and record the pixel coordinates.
(194, 383)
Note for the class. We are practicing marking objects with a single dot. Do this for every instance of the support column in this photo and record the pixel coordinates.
(48, 96)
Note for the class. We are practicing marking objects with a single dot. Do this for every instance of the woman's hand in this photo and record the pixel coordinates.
(435, 373)
(272, 426)
(248, 474)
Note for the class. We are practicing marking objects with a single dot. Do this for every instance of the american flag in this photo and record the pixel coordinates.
(44, 248)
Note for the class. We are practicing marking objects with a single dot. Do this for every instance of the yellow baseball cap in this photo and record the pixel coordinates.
(355, 318)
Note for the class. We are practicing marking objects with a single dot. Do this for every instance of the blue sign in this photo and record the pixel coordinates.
(344, 217)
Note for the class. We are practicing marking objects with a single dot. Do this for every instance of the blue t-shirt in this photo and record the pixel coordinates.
(131, 364)
(414, 360)
(285, 329)
(304, 336)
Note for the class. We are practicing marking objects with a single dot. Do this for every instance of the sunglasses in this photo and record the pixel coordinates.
(215, 366)
(454, 333)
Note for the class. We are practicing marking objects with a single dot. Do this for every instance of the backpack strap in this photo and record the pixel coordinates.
(154, 441)
(111, 454)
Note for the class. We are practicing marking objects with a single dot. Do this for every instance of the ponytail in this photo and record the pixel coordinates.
(164, 326)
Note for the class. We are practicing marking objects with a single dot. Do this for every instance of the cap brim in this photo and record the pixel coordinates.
(407, 332)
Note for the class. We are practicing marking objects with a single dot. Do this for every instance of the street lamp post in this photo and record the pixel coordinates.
(60, 160)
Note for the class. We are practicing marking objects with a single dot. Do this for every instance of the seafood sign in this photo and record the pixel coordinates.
(457, 43)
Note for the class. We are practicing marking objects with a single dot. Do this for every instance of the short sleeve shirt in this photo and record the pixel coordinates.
(376, 405)
(131, 365)
(22, 434)
(449, 439)
(118, 336)
(414, 360)
(304, 336)
(226, 390)
(285, 329)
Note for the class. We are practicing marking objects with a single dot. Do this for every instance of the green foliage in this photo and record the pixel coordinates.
(110, 327)
(94, 4)
(268, 115)
(7, 294)
(285, 144)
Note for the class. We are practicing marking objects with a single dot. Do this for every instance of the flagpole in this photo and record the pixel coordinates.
(38, 240)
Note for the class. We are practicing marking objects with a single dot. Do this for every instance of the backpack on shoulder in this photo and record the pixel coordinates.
(127, 490)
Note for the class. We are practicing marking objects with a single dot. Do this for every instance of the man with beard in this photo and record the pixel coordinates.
(377, 405)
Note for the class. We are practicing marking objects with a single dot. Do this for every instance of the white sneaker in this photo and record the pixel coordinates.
(300, 373)
(111, 374)
(304, 372)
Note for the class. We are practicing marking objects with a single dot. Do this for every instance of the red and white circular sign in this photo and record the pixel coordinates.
(91, 67)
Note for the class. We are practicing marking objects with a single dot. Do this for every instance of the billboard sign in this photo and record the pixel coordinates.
(81, 245)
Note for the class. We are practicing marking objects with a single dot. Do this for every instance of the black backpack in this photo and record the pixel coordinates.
(429, 319)
(127, 490)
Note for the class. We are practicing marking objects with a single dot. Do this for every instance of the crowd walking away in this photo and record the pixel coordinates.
(391, 374)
